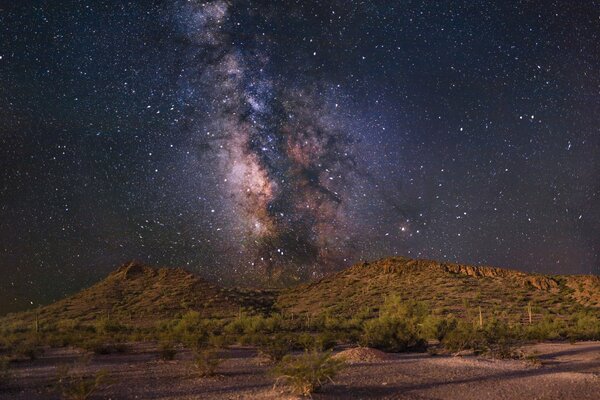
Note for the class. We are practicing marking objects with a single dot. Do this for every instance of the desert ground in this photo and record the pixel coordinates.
(556, 371)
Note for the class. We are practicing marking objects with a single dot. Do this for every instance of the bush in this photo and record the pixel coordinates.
(102, 346)
(275, 347)
(501, 340)
(107, 325)
(308, 372)
(324, 341)
(29, 347)
(77, 386)
(4, 371)
(395, 307)
(584, 326)
(166, 350)
(207, 361)
(464, 336)
(437, 327)
(305, 341)
(547, 329)
(392, 334)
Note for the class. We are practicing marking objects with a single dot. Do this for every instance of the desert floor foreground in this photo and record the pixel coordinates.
(567, 371)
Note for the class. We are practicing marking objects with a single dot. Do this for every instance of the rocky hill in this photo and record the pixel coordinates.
(447, 288)
(139, 294)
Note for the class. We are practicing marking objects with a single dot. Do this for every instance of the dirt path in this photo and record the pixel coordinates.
(567, 372)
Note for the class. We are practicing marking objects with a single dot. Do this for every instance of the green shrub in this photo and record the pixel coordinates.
(166, 350)
(307, 373)
(206, 361)
(305, 341)
(5, 374)
(324, 341)
(395, 307)
(67, 325)
(109, 326)
(392, 334)
(584, 326)
(275, 347)
(464, 336)
(77, 386)
(502, 340)
(549, 328)
(29, 347)
(437, 327)
(103, 345)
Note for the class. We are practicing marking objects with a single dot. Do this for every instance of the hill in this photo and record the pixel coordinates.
(447, 288)
(138, 294)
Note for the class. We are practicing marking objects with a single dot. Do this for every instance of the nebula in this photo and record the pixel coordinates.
(284, 154)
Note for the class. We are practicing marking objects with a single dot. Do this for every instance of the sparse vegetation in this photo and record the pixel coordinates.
(74, 384)
(308, 372)
(276, 347)
(166, 349)
(4, 371)
(206, 361)
(394, 305)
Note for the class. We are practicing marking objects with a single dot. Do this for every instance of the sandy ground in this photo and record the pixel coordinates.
(567, 371)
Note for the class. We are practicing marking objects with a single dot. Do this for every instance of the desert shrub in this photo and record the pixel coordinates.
(99, 344)
(102, 347)
(323, 341)
(395, 307)
(326, 322)
(166, 349)
(437, 327)
(206, 361)
(502, 340)
(275, 347)
(464, 336)
(248, 325)
(62, 338)
(67, 325)
(307, 373)
(547, 329)
(392, 334)
(28, 347)
(249, 340)
(220, 341)
(242, 325)
(4, 371)
(305, 341)
(78, 386)
(190, 322)
(584, 326)
(109, 326)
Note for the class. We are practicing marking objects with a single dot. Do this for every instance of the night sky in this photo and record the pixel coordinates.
(277, 141)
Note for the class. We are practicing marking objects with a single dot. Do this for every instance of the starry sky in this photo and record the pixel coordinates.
(272, 142)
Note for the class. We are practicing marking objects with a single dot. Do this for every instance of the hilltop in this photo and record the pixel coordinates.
(447, 288)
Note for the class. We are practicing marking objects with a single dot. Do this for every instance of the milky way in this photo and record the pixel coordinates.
(264, 142)
(281, 150)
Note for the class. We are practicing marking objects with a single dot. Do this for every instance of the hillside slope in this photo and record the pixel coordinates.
(139, 294)
(447, 288)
